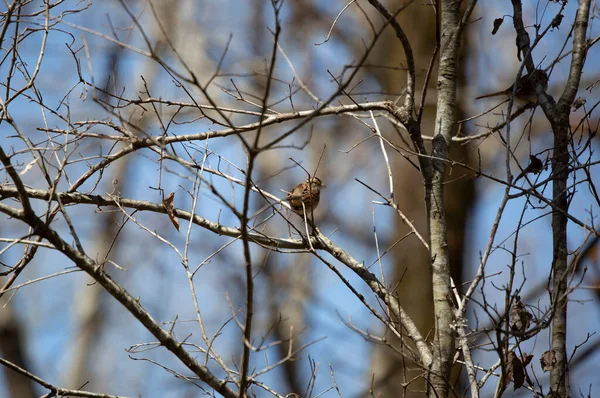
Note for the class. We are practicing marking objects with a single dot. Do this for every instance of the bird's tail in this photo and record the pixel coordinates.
(496, 94)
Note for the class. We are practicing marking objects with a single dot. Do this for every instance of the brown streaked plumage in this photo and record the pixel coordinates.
(307, 192)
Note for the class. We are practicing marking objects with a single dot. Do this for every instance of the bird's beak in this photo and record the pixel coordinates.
(323, 186)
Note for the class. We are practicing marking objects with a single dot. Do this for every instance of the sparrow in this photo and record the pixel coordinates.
(535, 166)
(307, 192)
(525, 87)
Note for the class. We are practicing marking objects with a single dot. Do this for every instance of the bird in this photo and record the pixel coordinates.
(525, 87)
(307, 193)
(535, 166)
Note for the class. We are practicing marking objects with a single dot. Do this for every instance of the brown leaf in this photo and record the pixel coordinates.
(578, 103)
(519, 317)
(548, 360)
(497, 24)
(514, 370)
(526, 358)
(170, 207)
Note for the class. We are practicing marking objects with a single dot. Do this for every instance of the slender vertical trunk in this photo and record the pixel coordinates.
(559, 380)
(445, 128)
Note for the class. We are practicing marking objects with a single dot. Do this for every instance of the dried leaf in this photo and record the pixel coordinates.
(519, 317)
(548, 360)
(497, 24)
(578, 103)
(170, 207)
(526, 358)
(514, 370)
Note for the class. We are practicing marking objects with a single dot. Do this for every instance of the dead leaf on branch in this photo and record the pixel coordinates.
(520, 318)
(548, 360)
(170, 207)
(578, 103)
(514, 370)
(497, 24)
(526, 358)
